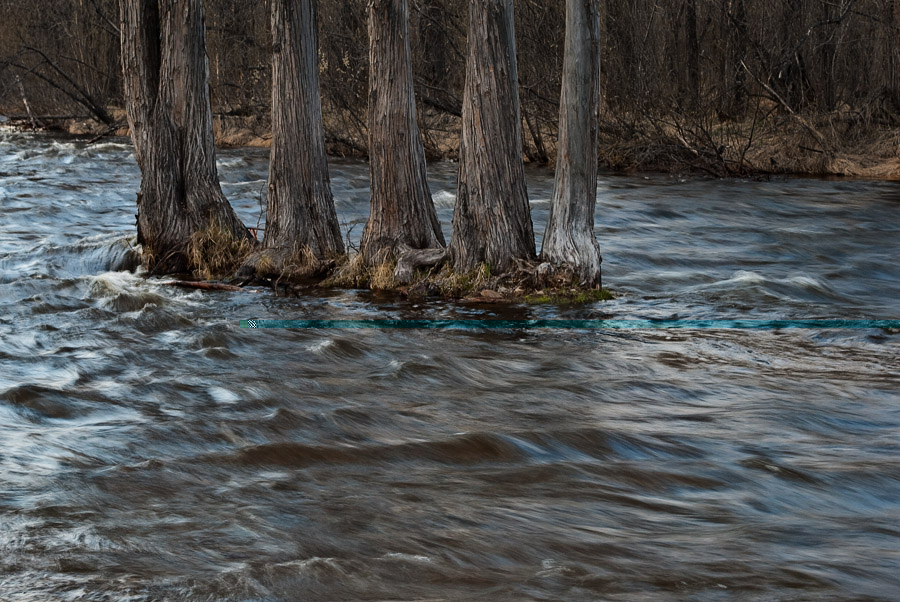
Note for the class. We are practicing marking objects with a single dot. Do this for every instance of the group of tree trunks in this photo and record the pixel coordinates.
(167, 95)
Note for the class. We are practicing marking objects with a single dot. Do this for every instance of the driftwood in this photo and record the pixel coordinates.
(205, 285)
(409, 260)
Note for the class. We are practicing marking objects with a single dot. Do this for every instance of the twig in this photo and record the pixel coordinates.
(86, 100)
(812, 150)
(813, 131)
(34, 124)
(100, 136)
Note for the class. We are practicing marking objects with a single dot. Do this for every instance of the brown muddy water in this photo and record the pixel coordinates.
(152, 450)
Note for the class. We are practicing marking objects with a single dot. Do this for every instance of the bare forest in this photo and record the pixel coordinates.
(728, 87)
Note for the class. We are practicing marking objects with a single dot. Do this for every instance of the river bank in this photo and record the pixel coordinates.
(839, 144)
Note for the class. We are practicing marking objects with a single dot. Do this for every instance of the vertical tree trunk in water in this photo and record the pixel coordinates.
(492, 219)
(300, 211)
(401, 211)
(569, 239)
(166, 79)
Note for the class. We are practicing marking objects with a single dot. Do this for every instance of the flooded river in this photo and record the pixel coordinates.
(153, 450)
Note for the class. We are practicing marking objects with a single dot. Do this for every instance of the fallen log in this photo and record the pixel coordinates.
(205, 285)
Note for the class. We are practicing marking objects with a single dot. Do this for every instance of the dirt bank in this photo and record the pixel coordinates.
(836, 144)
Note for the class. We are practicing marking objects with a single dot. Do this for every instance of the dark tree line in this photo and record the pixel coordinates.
(662, 59)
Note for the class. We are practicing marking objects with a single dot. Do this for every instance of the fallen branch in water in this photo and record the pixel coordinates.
(111, 130)
(205, 285)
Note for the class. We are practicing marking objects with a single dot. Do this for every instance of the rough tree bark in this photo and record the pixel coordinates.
(402, 213)
(492, 219)
(301, 216)
(892, 24)
(166, 79)
(791, 75)
(738, 46)
(693, 55)
(569, 238)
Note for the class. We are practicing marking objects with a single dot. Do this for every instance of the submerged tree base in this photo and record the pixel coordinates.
(230, 265)
(530, 282)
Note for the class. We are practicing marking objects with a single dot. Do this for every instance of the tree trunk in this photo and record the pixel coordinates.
(791, 75)
(892, 23)
(693, 55)
(401, 211)
(738, 44)
(827, 51)
(492, 219)
(569, 239)
(301, 216)
(167, 100)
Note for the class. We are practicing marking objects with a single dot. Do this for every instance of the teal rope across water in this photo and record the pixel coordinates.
(488, 324)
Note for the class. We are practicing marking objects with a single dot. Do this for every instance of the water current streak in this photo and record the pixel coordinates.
(575, 324)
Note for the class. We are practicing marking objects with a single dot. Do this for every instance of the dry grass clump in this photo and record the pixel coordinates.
(295, 265)
(301, 263)
(214, 252)
(381, 276)
(355, 273)
(148, 257)
(457, 285)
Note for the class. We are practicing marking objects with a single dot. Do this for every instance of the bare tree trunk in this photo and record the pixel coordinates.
(693, 55)
(738, 46)
(301, 215)
(569, 239)
(791, 76)
(401, 211)
(827, 92)
(892, 61)
(167, 99)
(492, 219)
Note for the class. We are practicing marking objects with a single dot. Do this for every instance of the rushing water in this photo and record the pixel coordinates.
(151, 449)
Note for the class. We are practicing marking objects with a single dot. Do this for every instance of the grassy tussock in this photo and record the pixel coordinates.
(457, 285)
(148, 257)
(214, 252)
(355, 273)
(381, 277)
(265, 265)
(295, 265)
(299, 264)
